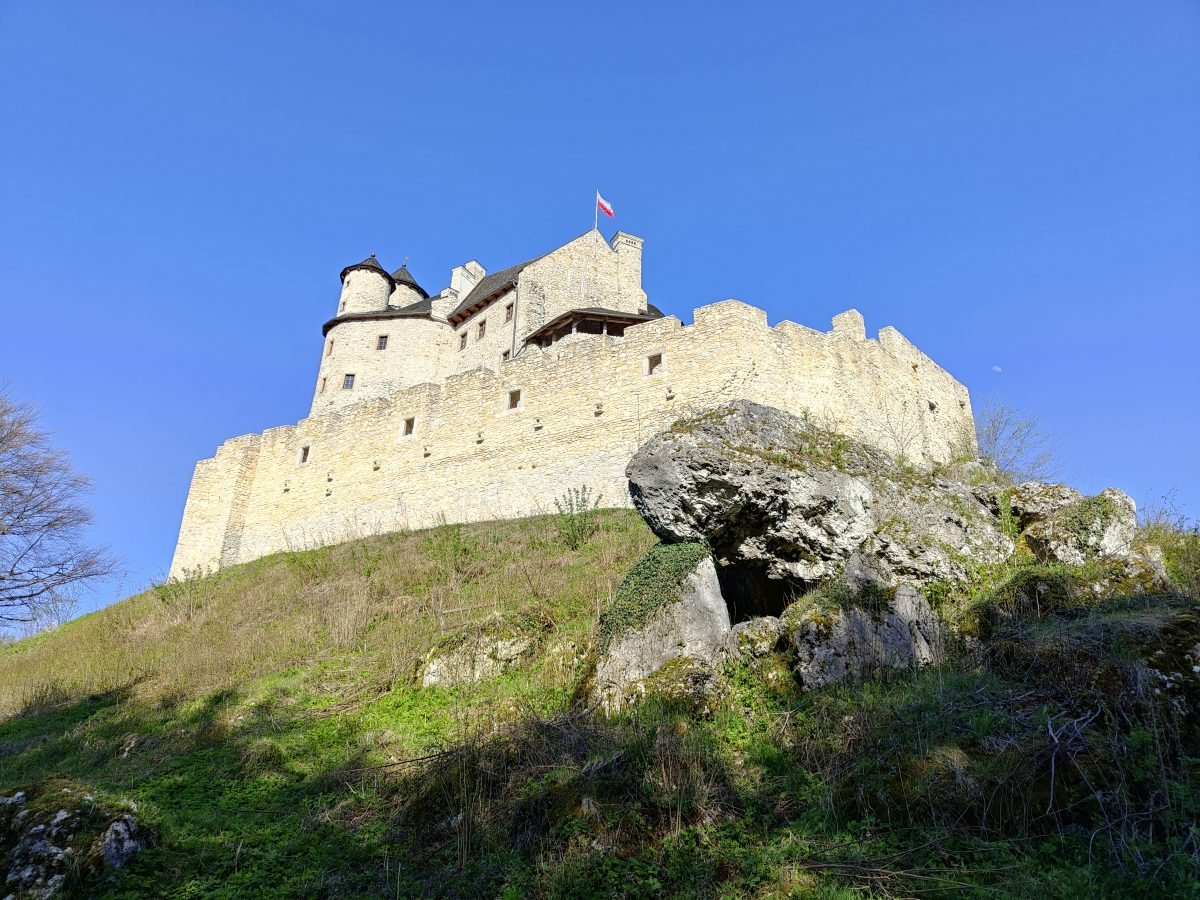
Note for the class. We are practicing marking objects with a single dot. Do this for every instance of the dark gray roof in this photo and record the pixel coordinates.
(597, 312)
(403, 276)
(369, 263)
(489, 286)
(612, 313)
(419, 310)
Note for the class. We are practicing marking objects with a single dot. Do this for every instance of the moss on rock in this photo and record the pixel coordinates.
(656, 581)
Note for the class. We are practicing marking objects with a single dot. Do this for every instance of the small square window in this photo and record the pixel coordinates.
(508, 311)
(381, 343)
(515, 400)
(462, 341)
(482, 330)
(303, 455)
(654, 363)
(410, 425)
(506, 356)
(347, 382)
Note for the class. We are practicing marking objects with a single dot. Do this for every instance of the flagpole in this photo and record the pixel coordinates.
(596, 212)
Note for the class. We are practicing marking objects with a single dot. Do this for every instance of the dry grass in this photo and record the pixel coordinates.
(368, 610)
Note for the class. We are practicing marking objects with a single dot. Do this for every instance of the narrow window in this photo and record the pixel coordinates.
(654, 364)
(303, 455)
(508, 312)
(505, 356)
(482, 330)
(348, 383)
(342, 308)
(514, 399)
(329, 348)
(381, 344)
(409, 426)
(323, 380)
(462, 341)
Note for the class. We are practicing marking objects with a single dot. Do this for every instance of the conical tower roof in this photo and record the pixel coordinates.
(369, 263)
(403, 276)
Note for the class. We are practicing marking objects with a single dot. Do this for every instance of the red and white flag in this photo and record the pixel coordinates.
(604, 206)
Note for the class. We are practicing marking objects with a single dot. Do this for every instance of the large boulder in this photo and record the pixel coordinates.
(1100, 527)
(858, 635)
(661, 615)
(773, 491)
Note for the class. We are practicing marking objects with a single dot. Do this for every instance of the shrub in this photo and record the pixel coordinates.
(1163, 525)
(576, 521)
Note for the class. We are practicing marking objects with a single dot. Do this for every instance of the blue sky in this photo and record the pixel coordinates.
(1011, 185)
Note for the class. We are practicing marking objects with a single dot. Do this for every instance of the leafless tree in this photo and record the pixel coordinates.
(1017, 442)
(44, 551)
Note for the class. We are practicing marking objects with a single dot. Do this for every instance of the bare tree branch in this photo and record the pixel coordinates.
(1016, 442)
(44, 552)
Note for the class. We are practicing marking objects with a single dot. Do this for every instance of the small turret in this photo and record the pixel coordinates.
(407, 290)
(366, 287)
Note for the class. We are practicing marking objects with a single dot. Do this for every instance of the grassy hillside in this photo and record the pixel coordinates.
(269, 726)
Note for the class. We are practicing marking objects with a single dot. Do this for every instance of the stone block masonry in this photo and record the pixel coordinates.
(505, 442)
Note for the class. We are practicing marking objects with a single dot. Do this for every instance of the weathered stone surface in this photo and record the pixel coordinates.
(756, 637)
(694, 683)
(1089, 528)
(476, 658)
(695, 628)
(40, 847)
(831, 645)
(768, 489)
(120, 843)
(1033, 501)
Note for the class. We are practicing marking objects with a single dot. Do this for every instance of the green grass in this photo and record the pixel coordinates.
(268, 724)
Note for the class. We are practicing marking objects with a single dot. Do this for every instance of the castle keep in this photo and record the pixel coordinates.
(497, 395)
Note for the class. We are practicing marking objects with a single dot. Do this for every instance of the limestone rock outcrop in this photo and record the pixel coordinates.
(485, 651)
(773, 491)
(1087, 528)
(824, 551)
(832, 644)
(1032, 501)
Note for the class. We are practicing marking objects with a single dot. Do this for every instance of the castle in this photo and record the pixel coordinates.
(502, 392)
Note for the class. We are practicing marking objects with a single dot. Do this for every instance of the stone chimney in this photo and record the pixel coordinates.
(629, 271)
(465, 277)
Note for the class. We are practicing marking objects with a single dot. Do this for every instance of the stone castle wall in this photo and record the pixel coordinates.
(584, 410)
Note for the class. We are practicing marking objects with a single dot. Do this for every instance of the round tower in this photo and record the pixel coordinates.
(383, 338)
(366, 287)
